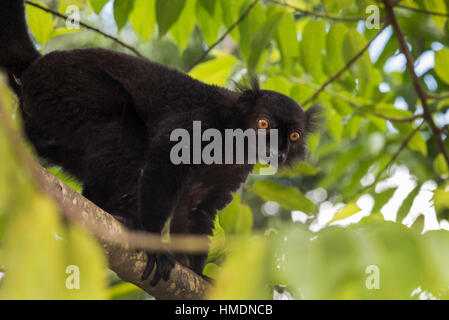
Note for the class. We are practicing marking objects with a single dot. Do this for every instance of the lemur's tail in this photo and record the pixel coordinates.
(17, 51)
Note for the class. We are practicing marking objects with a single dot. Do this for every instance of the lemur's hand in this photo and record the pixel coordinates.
(163, 263)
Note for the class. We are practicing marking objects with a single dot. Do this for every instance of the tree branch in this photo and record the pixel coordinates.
(445, 129)
(433, 13)
(59, 15)
(406, 119)
(422, 94)
(346, 67)
(318, 14)
(236, 23)
(437, 96)
(128, 263)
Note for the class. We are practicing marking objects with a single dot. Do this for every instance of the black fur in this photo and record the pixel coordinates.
(106, 117)
(16, 50)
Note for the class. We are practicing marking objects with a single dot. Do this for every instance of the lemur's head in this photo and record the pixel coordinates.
(268, 110)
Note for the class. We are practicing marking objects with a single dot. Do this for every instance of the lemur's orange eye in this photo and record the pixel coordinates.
(263, 124)
(294, 136)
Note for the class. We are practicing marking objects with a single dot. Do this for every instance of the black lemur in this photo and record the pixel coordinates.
(106, 118)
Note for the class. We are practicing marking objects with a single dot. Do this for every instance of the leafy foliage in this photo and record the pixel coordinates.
(374, 118)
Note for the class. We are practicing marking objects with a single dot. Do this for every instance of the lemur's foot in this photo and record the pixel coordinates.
(164, 264)
(194, 262)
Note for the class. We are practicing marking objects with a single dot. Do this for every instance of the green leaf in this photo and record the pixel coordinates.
(211, 270)
(250, 26)
(312, 46)
(38, 250)
(209, 5)
(249, 282)
(217, 245)
(417, 142)
(437, 6)
(215, 71)
(167, 12)
(335, 124)
(441, 64)
(334, 43)
(339, 261)
(244, 222)
(443, 103)
(209, 25)
(287, 40)
(406, 205)
(378, 122)
(279, 84)
(40, 22)
(262, 38)
(84, 252)
(380, 199)
(440, 166)
(436, 243)
(347, 211)
(236, 218)
(354, 126)
(63, 31)
(63, 4)
(97, 5)
(418, 224)
(184, 26)
(287, 197)
(228, 215)
(124, 290)
(352, 45)
(34, 239)
(441, 198)
(390, 111)
(341, 165)
(122, 9)
(143, 19)
(300, 169)
(230, 13)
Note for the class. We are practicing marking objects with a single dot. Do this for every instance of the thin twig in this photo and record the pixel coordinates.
(318, 14)
(356, 104)
(346, 67)
(393, 119)
(330, 92)
(422, 94)
(438, 96)
(236, 23)
(419, 10)
(57, 14)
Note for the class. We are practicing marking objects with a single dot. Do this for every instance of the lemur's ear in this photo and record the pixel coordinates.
(314, 118)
